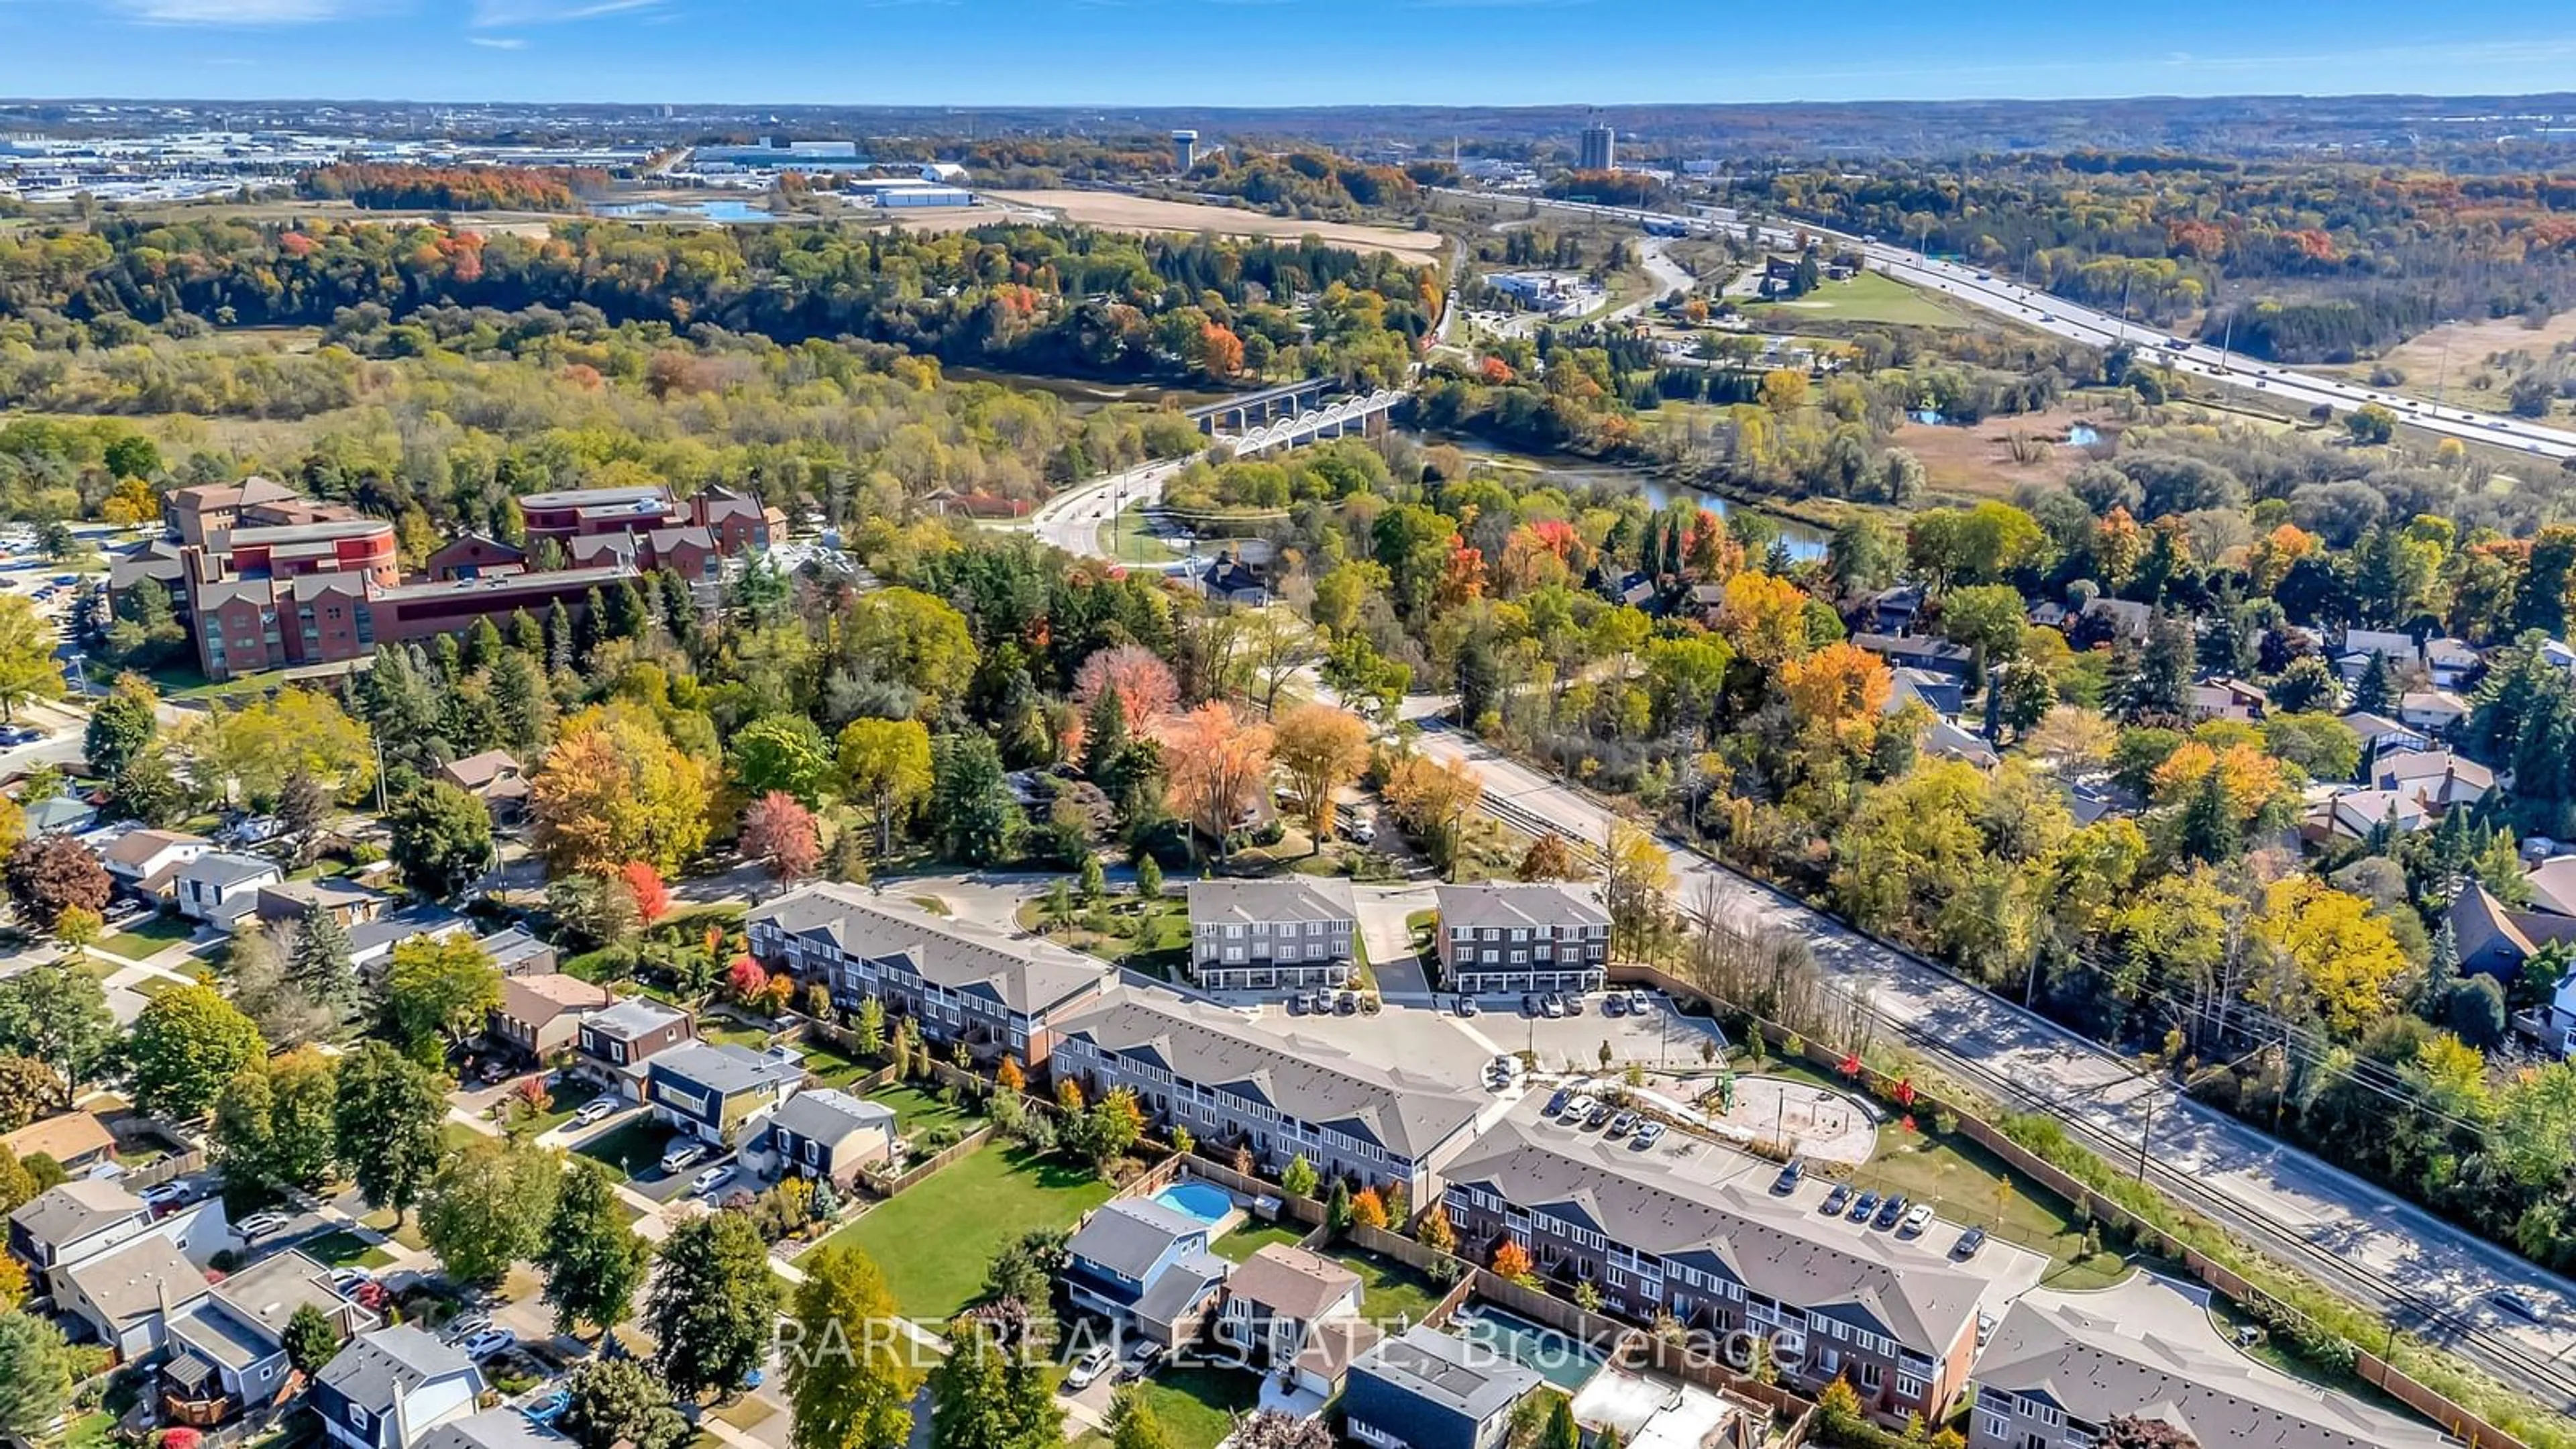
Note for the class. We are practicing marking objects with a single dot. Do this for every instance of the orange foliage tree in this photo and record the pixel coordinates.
(1141, 680)
(1512, 1261)
(1765, 618)
(644, 883)
(1219, 762)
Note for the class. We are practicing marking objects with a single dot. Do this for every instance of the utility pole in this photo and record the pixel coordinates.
(2145, 1133)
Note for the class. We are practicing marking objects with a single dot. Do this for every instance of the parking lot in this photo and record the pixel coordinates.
(1440, 1042)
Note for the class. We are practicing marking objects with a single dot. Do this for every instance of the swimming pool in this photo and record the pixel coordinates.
(1207, 1203)
(1563, 1361)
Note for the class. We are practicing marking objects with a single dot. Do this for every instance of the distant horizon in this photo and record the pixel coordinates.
(1117, 55)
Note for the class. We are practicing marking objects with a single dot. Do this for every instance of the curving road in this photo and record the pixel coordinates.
(2422, 1273)
(1072, 520)
(2041, 311)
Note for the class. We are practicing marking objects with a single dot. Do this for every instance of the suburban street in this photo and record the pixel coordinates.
(2333, 1225)
(1072, 519)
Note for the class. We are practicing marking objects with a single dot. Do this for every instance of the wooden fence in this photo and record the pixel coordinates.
(2453, 1416)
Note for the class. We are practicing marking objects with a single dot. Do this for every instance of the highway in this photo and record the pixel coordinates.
(2040, 311)
(1071, 520)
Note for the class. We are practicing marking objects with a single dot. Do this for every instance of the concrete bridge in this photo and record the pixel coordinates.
(1249, 410)
(1360, 416)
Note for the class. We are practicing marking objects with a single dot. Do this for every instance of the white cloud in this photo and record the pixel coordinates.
(498, 42)
(245, 12)
(493, 14)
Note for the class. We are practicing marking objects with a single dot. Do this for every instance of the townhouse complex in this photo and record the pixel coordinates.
(1501, 937)
(261, 578)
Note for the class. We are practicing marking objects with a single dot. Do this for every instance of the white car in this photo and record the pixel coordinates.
(467, 1325)
(683, 1157)
(597, 1109)
(1088, 1369)
(259, 1223)
(712, 1181)
(345, 1281)
(489, 1342)
(1917, 1218)
(167, 1194)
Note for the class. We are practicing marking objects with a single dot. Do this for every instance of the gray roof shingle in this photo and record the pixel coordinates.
(1296, 898)
(373, 1369)
(1022, 973)
(1126, 1236)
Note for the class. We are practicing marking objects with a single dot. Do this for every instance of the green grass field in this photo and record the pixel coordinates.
(342, 1249)
(148, 936)
(1387, 1287)
(1868, 297)
(632, 1148)
(1245, 1241)
(935, 1239)
(916, 1110)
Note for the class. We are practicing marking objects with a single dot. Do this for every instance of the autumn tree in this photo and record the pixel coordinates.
(2344, 956)
(779, 832)
(1512, 1261)
(28, 669)
(1548, 858)
(1764, 617)
(853, 1386)
(1219, 763)
(1434, 800)
(645, 887)
(1139, 678)
(614, 789)
(54, 871)
(1321, 749)
(886, 762)
(1637, 885)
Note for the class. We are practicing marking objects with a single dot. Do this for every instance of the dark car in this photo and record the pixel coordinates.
(1466, 1004)
(2519, 1304)
(1556, 1104)
(1614, 1005)
(1969, 1242)
(1790, 1175)
(1863, 1206)
(1347, 1004)
(1601, 1112)
(1529, 1003)
(1891, 1212)
(1837, 1200)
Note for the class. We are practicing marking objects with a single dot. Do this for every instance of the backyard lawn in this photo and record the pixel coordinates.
(342, 1249)
(916, 1110)
(632, 1148)
(1195, 1405)
(1387, 1287)
(1245, 1241)
(830, 1066)
(934, 1240)
(152, 986)
(726, 1029)
(149, 935)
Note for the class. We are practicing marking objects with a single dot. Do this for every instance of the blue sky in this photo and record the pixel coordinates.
(1114, 53)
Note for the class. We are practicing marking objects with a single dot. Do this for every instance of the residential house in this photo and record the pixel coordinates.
(1296, 1312)
(81, 1219)
(2360, 646)
(77, 1141)
(1146, 1268)
(502, 1428)
(146, 863)
(1919, 651)
(220, 887)
(1292, 932)
(2499, 941)
(371, 943)
(1705, 1240)
(351, 903)
(1650, 1411)
(1534, 936)
(541, 1015)
(493, 777)
(2553, 885)
(2122, 621)
(1895, 610)
(2226, 699)
(228, 1349)
(125, 1296)
(1426, 1389)
(516, 953)
(1950, 740)
(824, 1132)
(60, 815)
(2451, 663)
(2436, 712)
(2061, 1364)
(389, 1387)
(2439, 779)
(2378, 733)
(1943, 694)
(1281, 1096)
(708, 1091)
(614, 1045)
(2355, 814)
(999, 992)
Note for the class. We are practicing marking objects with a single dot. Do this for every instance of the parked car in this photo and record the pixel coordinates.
(1614, 1005)
(1362, 834)
(1837, 1200)
(1088, 1368)
(1140, 1363)
(175, 1193)
(466, 1325)
(1466, 1004)
(1863, 1206)
(1529, 1003)
(345, 1281)
(1347, 1004)
(1623, 1124)
(546, 1410)
(1916, 1219)
(712, 1181)
(1556, 1103)
(261, 1224)
(1551, 1006)
(1891, 1211)
(1577, 1110)
(1299, 1003)
(1638, 1005)
(1649, 1134)
(1599, 1115)
(683, 1157)
(1573, 1002)
(597, 1109)
(1790, 1175)
(489, 1342)
(1969, 1242)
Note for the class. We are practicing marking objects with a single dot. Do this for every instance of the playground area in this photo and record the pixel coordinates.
(1814, 1122)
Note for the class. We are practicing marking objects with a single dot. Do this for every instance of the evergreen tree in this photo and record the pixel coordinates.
(559, 637)
(713, 1306)
(592, 1260)
(2375, 691)
(527, 636)
(321, 965)
(679, 605)
(979, 822)
(2208, 830)
(482, 644)
(626, 616)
